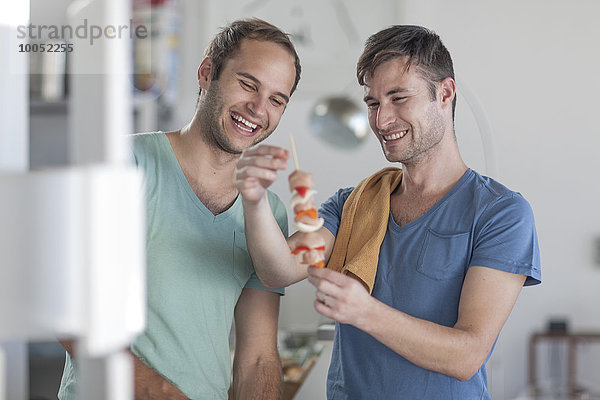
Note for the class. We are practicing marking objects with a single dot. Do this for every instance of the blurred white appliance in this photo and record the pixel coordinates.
(71, 239)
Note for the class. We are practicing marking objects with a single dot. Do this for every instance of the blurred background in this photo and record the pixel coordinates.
(527, 115)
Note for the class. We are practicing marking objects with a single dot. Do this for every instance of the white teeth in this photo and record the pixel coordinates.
(249, 126)
(394, 136)
(243, 127)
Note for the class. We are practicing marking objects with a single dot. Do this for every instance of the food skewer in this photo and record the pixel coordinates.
(294, 154)
(312, 247)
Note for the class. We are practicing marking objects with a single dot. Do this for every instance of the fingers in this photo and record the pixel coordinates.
(252, 173)
(325, 285)
(324, 300)
(334, 277)
(326, 303)
(257, 167)
(339, 297)
(265, 150)
(261, 161)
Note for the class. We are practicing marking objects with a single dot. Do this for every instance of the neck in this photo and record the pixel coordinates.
(201, 154)
(201, 162)
(435, 174)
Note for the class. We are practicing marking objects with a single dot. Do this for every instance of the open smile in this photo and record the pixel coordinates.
(243, 124)
(394, 136)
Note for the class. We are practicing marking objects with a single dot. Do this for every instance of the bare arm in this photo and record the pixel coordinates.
(486, 301)
(148, 384)
(269, 249)
(256, 364)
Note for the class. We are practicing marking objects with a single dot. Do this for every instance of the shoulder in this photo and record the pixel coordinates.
(339, 197)
(490, 185)
(506, 223)
(331, 210)
(505, 232)
(146, 147)
(144, 141)
(499, 200)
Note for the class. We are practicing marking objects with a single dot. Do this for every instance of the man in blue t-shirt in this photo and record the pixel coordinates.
(424, 264)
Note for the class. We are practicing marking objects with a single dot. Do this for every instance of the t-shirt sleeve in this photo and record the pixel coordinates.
(133, 149)
(280, 214)
(507, 239)
(331, 209)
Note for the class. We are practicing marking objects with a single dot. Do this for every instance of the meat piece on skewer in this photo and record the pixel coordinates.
(302, 202)
(312, 247)
(311, 250)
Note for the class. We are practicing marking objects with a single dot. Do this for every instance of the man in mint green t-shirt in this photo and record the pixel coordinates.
(200, 276)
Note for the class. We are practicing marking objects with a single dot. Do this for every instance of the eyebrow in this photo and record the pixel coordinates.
(390, 93)
(256, 81)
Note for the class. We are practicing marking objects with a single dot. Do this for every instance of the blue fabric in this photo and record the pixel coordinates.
(420, 272)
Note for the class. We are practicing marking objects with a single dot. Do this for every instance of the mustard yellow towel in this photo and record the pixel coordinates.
(363, 226)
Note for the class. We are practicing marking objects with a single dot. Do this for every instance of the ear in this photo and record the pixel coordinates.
(205, 73)
(447, 92)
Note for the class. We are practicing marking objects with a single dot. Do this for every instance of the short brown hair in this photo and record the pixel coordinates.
(424, 50)
(227, 42)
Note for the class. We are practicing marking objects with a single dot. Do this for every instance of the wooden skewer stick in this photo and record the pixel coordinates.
(294, 154)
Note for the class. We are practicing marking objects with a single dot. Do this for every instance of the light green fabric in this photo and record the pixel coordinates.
(198, 265)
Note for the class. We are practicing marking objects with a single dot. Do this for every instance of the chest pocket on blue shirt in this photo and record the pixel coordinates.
(242, 263)
(443, 256)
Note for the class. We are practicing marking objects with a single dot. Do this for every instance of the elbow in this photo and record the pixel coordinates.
(277, 282)
(266, 281)
(466, 375)
(270, 285)
(467, 369)
(470, 358)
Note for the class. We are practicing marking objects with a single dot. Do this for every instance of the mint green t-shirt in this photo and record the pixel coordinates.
(198, 264)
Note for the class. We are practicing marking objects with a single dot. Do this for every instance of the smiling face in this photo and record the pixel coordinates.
(408, 123)
(244, 106)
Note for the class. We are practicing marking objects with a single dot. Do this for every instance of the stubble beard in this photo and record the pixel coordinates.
(211, 108)
(423, 147)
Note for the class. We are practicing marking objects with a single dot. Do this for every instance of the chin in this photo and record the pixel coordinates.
(391, 157)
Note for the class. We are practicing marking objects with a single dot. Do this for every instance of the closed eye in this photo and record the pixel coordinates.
(277, 102)
(247, 86)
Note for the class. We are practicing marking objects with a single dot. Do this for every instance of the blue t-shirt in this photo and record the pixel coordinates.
(421, 270)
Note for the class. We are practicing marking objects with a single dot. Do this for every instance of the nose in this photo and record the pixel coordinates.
(257, 106)
(385, 117)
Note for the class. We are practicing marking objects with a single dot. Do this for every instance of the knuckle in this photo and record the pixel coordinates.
(322, 285)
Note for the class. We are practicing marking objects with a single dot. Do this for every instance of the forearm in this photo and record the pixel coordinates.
(451, 351)
(150, 385)
(268, 247)
(258, 380)
(486, 300)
